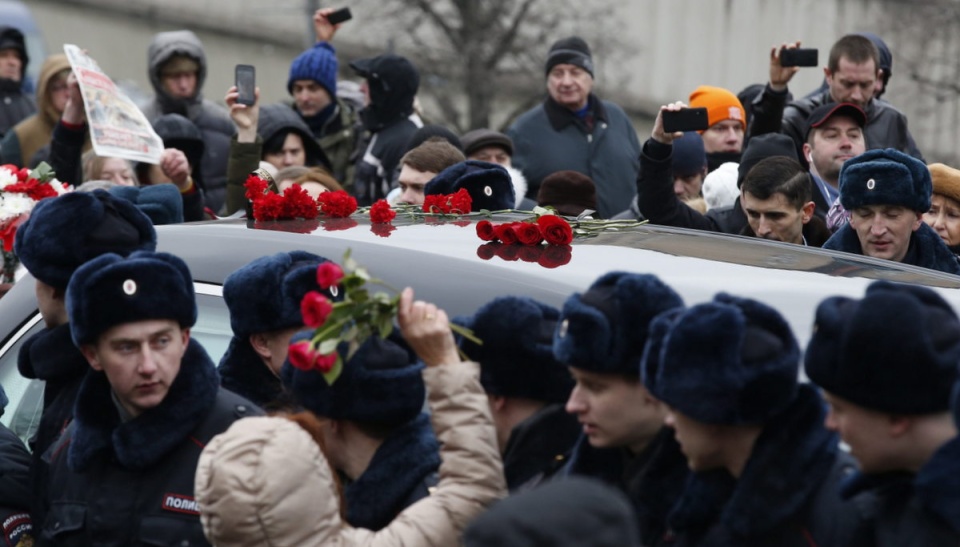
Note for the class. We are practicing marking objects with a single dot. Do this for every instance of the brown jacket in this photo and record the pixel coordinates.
(265, 481)
(36, 131)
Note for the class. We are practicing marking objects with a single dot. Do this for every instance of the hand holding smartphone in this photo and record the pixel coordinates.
(246, 82)
(799, 57)
(685, 119)
(339, 16)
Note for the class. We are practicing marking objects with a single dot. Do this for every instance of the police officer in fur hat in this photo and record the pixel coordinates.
(600, 337)
(526, 387)
(375, 433)
(886, 364)
(264, 302)
(886, 193)
(765, 470)
(123, 471)
(61, 234)
(16, 496)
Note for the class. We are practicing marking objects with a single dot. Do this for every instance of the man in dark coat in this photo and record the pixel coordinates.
(766, 471)
(16, 495)
(574, 130)
(61, 234)
(887, 364)
(886, 193)
(376, 435)
(852, 73)
(123, 471)
(264, 302)
(15, 105)
(526, 386)
(601, 336)
(177, 66)
(390, 85)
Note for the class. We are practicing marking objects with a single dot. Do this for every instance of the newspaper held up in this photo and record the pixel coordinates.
(117, 127)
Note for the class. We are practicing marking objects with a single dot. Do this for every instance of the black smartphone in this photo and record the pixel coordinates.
(799, 57)
(685, 119)
(246, 81)
(339, 16)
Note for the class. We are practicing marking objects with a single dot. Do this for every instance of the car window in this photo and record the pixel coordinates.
(22, 414)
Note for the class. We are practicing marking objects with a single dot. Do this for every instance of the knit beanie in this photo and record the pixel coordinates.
(720, 103)
(720, 186)
(895, 350)
(570, 51)
(689, 156)
(946, 181)
(764, 146)
(319, 64)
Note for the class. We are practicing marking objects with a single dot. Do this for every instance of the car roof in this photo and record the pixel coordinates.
(447, 263)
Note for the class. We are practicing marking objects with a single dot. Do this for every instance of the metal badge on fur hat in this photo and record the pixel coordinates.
(380, 384)
(64, 232)
(265, 294)
(731, 361)
(488, 184)
(885, 177)
(605, 329)
(111, 290)
(895, 350)
(516, 357)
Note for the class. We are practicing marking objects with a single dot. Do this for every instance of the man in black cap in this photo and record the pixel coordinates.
(887, 364)
(601, 337)
(574, 130)
(15, 105)
(61, 234)
(852, 73)
(765, 470)
(886, 193)
(834, 135)
(123, 471)
(526, 387)
(390, 86)
(495, 147)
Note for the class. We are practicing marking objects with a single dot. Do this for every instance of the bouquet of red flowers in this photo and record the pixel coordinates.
(550, 228)
(358, 316)
(294, 203)
(459, 203)
(337, 204)
(20, 190)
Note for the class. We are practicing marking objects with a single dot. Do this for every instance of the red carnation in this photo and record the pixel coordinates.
(298, 203)
(460, 203)
(485, 230)
(527, 233)
(325, 362)
(328, 275)
(301, 355)
(337, 204)
(255, 186)
(555, 230)
(381, 212)
(434, 203)
(23, 174)
(505, 233)
(268, 207)
(315, 308)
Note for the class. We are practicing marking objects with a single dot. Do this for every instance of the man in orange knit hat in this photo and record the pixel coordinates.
(723, 140)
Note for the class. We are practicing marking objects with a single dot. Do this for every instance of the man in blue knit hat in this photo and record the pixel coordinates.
(264, 302)
(887, 364)
(123, 471)
(886, 193)
(313, 85)
(600, 337)
(765, 470)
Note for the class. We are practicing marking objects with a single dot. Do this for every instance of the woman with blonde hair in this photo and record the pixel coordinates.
(944, 213)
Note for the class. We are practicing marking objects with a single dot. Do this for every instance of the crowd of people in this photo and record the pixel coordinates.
(624, 418)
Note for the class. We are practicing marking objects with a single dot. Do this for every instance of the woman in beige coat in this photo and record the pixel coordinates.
(265, 480)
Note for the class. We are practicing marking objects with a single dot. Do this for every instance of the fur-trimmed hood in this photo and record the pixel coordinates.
(926, 250)
(146, 439)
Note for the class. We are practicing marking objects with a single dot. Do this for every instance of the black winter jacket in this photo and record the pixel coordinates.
(926, 250)
(886, 126)
(539, 446)
(788, 494)
(15, 105)
(16, 495)
(131, 483)
(913, 509)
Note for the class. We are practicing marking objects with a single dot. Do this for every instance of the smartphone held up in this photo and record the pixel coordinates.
(246, 82)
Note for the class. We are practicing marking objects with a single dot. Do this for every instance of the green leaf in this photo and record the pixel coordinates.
(351, 334)
(43, 172)
(328, 346)
(334, 373)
